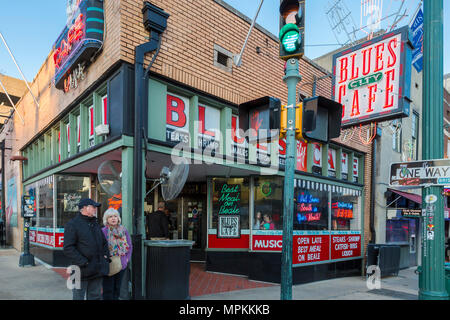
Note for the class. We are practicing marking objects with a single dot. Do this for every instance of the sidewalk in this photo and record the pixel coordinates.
(29, 283)
(402, 287)
(44, 283)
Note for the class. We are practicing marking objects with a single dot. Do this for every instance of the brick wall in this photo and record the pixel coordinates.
(187, 52)
(186, 56)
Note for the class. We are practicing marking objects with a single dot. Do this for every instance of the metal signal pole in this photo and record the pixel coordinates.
(431, 277)
(291, 79)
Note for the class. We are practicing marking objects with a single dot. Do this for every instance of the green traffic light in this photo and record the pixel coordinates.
(290, 37)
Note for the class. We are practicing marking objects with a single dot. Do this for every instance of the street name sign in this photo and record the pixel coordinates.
(420, 173)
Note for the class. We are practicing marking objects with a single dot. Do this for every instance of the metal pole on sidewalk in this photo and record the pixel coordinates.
(3, 235)
(432, 280)
(291, 79)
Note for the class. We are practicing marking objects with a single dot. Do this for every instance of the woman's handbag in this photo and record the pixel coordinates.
(115, 265)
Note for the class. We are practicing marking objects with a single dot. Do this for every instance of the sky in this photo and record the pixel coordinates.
(31, 27)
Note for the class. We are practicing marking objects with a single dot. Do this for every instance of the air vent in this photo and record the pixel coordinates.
(223, 58)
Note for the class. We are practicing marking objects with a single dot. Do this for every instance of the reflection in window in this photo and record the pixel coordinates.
(231, 197)
(344, 211)
(310, 209)
(268, 203)
(45, 210)
(70, 190)
(397, 230)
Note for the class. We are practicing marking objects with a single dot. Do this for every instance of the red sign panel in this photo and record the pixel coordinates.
(47, 238)
(221, 243)
(267, 243)
(310, 248)
(345, 246)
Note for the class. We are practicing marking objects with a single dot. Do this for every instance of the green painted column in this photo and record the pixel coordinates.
(432, 277)
(291, 79)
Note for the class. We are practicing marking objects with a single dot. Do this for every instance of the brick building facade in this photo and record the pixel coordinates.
(194, 65)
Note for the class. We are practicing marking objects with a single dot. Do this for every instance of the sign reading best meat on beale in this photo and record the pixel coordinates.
(372, 80)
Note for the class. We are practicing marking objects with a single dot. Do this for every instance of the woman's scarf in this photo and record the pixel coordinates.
(117, 241)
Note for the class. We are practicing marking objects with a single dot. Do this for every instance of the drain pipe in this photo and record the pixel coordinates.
(372, 191)
(155, 21)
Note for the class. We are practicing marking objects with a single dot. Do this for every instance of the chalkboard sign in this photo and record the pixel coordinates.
(230, 199)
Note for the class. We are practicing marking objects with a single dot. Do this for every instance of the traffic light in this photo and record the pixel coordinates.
(283, 121)
(262, 116)
(299, 122)
(303, 121)
(292, 29)
(321, 119)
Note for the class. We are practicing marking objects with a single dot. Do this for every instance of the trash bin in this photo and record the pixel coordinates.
(373, 250)
(389, 260)
(168, 269)
(447, 278)
(385, 256)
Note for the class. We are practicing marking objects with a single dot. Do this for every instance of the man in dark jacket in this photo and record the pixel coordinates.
(157, 223)
(86, 247)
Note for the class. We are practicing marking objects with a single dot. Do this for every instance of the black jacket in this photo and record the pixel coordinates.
(86, 246)
(158, 225)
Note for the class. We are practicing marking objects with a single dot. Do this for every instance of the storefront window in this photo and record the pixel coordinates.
(345, 210)
(70, 190)
(230, 206)
(310, 209)
(45, 206)
(268, 203)
(397, 230)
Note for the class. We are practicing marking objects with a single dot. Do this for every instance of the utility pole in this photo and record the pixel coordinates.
(291, 79)
(431, 277)
(3, 235)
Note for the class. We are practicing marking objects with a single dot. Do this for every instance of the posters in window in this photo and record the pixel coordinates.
(344, 165)
(228, 227)
(331, 162)
(71, 201)
(177, 119)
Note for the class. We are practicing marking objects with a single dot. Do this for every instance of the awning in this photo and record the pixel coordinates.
(410, 196)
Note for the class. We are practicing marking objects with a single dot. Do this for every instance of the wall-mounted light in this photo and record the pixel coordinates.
(18, 158)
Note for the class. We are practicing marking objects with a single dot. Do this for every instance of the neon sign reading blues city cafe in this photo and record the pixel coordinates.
(80, 40)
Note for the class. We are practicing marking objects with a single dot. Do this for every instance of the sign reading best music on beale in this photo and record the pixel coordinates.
(372, 80)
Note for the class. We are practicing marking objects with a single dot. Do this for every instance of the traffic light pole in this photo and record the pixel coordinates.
(291, 79)
(431, 277)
